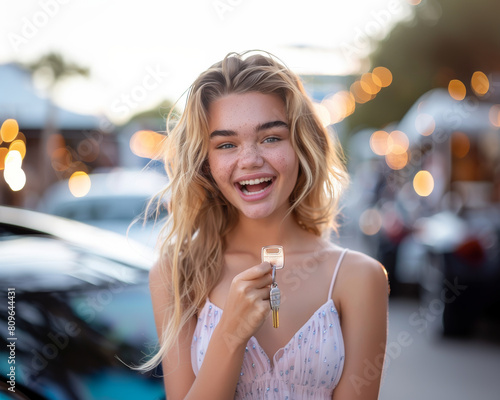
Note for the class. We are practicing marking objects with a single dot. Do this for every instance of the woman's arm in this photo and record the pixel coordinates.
(248, 302)
(363, 302)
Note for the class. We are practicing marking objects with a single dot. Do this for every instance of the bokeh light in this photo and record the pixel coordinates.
(79, 184)
(61, 159)
(339, 106)
(13, 173)
(460, 144)
(380, 143)
(383, 75)
(15, 178)
(55, 141)
(480, 83)
(3, 153)
(414, 2)
(369, 84)
(494, 115)
(19, 146)
(360, 95)
(147, 144)
(13, 159)
(456, 89)
(322, 113)
(399, 142)
(423, 183)
(370, 221)
(9, 130)
(21, 136)
(425, 124)
(396, 161)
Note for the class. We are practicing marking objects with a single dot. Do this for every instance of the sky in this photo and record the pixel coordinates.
(141, 52)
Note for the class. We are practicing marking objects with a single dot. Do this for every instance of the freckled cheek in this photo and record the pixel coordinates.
(221, 172)
(286, 162)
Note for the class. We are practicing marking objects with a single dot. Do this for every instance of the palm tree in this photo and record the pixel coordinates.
(57, 69)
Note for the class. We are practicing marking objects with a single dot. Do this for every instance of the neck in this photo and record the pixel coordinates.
(250, 235)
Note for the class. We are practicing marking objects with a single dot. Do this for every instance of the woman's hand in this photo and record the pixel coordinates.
(247, 304)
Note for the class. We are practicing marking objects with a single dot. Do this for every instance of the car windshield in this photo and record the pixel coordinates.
(103, 208)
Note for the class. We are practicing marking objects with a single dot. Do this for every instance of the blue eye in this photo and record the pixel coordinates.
(225, 146)
(271, 139)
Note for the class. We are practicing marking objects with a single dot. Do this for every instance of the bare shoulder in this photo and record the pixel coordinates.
(361, 276)
(362, 266)
(159, 273)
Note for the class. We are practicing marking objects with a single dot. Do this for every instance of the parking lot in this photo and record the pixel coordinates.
(427, 366)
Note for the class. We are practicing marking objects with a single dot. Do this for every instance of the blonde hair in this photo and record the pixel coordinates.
(200, 217)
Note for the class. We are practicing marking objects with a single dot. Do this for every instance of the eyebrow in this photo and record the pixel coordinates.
(258, 128)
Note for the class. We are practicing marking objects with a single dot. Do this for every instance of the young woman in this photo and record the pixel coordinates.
(250, 165)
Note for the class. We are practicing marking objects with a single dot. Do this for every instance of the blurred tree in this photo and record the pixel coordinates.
(160, 111)
(50, 69)
(156, 117)
(54, 68)
(446, 39)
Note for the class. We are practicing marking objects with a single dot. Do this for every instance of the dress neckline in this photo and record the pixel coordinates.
(281, 349)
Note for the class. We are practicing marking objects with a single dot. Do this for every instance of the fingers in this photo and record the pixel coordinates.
(256, 272)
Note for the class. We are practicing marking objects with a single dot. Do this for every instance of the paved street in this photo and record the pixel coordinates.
(420, 364)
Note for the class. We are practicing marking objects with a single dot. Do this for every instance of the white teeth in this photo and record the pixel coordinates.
(246, 192)
(255, 181)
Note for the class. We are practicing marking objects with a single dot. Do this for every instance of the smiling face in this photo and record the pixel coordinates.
(250, 154)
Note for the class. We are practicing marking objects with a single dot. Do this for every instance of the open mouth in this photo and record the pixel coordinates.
(254, 186)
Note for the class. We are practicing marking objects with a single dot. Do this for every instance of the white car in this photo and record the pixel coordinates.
(116, 202)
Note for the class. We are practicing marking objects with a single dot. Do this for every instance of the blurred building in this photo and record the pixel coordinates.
(58, 142)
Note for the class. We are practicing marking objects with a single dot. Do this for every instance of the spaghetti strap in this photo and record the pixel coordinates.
(335, 273)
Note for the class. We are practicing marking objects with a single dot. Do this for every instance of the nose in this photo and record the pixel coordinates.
(250, 157)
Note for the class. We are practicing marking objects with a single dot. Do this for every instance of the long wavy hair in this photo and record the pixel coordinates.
(200, 218)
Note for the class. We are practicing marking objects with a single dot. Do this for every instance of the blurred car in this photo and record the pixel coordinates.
(80, 311)
(116, 201)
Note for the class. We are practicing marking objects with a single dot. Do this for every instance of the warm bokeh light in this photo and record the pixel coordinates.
(54, 142)
(334, 109)
(414, 2)
(3, 153)
(13, 159)
(339, 106)
(400, 142)
(15, 177)
(396, 161)
(360, 95)
(494, 115)
(383, 75)
(423, 183)
(460, 144)
(9, 130)
(21, 136)
(480, 83)
(370, 221)
(79, 184)
(380, 143)
(322, 113)
(369, 84)
(19, 146)
(147, 144)
(61, 159)
(425, 124)
(456, 89)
